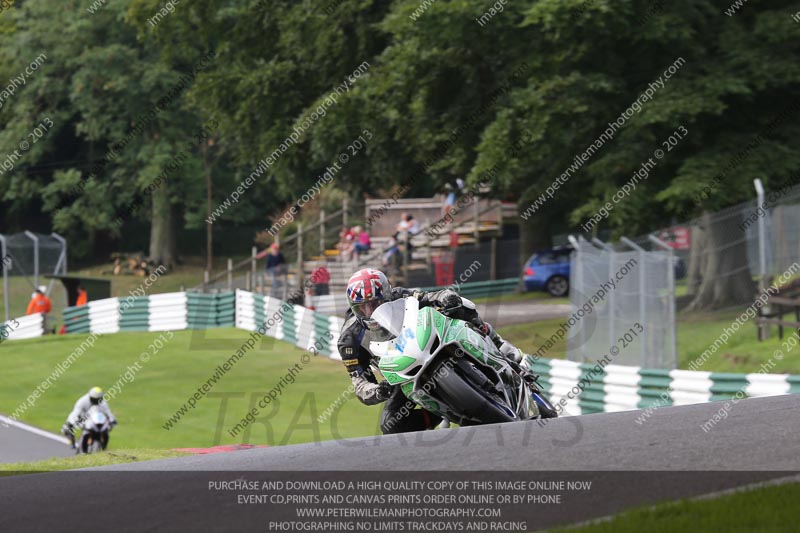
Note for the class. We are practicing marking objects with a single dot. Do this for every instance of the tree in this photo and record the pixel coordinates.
(122, 142)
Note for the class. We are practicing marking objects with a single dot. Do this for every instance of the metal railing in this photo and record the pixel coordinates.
(249, 278)
(244, 274)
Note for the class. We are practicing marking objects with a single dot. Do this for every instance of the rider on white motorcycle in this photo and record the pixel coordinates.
(79, 413)
(366, 290)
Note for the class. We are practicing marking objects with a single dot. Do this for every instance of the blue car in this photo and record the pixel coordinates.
(548, 271)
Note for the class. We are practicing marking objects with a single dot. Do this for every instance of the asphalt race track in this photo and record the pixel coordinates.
(26, 443)
(667, 457)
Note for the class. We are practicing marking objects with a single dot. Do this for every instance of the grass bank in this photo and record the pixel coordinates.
(153, 392)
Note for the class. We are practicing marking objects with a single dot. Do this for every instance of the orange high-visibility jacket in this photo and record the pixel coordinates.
(82, 298)
(39, 304)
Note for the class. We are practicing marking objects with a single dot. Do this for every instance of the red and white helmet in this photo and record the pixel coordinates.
(366, 290)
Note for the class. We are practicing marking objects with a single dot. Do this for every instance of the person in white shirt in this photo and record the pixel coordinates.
(408, 224)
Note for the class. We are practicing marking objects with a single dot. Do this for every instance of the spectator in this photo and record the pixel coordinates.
(408, 224)
(392, 252)
(321, 278)
(453, 192)
(406, 228)
(345, 245)
(40, 303)
(83, 297)
(362, 240)
(276, 268)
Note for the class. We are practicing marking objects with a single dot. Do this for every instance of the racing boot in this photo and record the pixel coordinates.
(509, 351)
(514, 355)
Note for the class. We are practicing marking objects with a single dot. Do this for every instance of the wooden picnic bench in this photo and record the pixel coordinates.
(779, 306)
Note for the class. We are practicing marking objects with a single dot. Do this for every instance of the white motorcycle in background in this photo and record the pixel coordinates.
(94, 431)
(449, 369)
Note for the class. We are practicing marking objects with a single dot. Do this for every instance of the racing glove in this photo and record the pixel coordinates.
(385, 390)
(67, 431)
(451, 300)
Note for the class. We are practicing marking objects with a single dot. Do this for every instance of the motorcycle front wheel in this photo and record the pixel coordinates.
(545, 407)
(457, 389)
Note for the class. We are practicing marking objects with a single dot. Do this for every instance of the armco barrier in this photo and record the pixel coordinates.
(159, 312)
(620, 388)
(613, 388)
(24, 327)
(481, 289)
(291, 323)
(586, 388)
(330, 304)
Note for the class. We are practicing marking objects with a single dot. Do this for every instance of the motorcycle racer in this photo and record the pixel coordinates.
(366, 290)
(79, 413)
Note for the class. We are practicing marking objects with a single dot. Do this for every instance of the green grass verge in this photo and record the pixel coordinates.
(696, 333)
(111, 457)
(769, 509)
(174, 373)
(533, 296)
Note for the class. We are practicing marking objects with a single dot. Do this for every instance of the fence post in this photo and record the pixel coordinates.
(612, 326)
(578, 289)
(476, 209)
(253, 265)
(493, 260)
(671, 292)
(35, 240)
(230, 274)
(322, 232)
(63, 242)
(642, 296)
(299, 258)
(344, 211)
(205, 281)
(5, 273)
(247, 277)
(406, 258)
(763, 329)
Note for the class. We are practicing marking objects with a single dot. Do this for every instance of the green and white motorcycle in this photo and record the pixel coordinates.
(451, 370)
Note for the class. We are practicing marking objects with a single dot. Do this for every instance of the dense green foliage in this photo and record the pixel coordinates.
(446, 91)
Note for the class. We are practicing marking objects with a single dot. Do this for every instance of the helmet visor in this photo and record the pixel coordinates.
(365, 310)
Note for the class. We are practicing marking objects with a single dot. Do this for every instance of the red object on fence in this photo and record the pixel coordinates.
(443, 265)
(453, 239)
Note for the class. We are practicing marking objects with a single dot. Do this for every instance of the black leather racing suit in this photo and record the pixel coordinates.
(399, 414)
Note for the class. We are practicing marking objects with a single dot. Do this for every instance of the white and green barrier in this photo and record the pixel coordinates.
(585, 388)
(24, 327)
(159, 312)
(330, 304)
(294, 324)
(588, 388)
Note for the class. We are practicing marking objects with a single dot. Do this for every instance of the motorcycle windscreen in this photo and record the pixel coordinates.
(390, 316)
